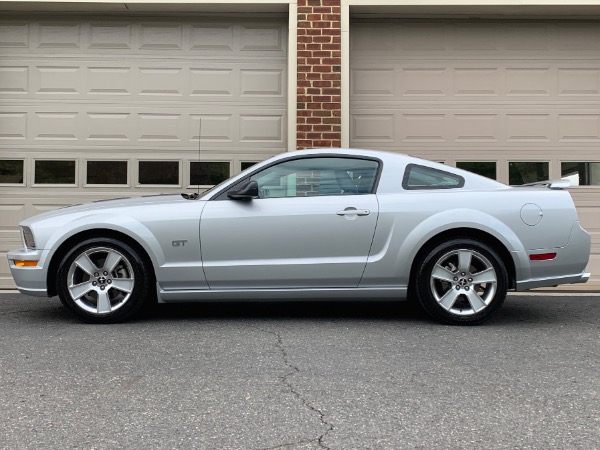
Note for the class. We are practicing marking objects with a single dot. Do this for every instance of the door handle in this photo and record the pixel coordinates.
(353, 212)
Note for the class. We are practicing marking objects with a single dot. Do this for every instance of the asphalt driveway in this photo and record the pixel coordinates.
(301, 376)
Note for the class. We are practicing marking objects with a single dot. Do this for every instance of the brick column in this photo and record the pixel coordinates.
(319, 88)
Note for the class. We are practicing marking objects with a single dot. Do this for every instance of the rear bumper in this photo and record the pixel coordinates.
(552, 281)
(568, 267)
(29, 280)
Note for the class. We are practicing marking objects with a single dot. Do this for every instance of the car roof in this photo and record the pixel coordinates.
(347, 151)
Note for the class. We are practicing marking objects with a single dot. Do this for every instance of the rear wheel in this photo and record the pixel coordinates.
(103, 280)
(461, 282)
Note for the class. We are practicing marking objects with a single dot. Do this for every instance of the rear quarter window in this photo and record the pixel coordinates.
(422, 177)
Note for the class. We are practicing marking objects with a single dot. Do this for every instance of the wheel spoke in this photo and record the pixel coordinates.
(476, 303)
(449, 298)
(464, 260)
(85, 263)
(112, 259)
(79, 290)
(441, 273)
(485, 276)
(122, 284)
(103, 302)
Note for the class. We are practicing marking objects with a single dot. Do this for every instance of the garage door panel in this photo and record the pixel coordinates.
(427, 39)
(498, 92)
(492, 81)
(6, 281)
(217, 38)
(138, 127)
(468, 126)
(93, 80)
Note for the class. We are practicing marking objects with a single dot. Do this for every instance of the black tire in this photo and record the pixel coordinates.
(461, 282)
(103, 280)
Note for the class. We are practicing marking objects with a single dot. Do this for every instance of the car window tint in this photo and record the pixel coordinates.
(309, 177)
(421, 177)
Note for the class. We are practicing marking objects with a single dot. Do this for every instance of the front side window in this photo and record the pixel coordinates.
(310, 177)
(421, 177)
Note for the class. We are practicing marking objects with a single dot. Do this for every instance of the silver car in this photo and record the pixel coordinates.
(314, 224)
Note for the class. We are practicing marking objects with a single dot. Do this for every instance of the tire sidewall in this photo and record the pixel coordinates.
(426, 297)
(138, 294)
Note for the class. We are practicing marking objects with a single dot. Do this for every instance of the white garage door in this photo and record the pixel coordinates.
(104, 107)
(517, 101)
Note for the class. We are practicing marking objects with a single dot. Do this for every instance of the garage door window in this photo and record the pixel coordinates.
(54, 172)
(581, 173)
(521, 172)
(11, 171)
(247, 164)
(483, 168)
(209, 173)
(159, 172)
(107, 172)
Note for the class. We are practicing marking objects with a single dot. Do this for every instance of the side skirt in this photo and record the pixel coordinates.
(237, 295)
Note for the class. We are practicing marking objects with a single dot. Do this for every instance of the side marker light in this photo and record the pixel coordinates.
(21, 263)
(542, 256)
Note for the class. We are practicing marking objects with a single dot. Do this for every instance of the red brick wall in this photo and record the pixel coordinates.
(319, 59)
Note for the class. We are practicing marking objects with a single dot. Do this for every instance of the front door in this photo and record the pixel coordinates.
(311, 227)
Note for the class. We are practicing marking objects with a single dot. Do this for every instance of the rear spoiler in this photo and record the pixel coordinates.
(551, 184)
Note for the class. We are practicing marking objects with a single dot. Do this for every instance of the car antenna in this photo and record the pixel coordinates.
(196, 194)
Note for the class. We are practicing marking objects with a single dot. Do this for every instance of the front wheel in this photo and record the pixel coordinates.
(461, 282)
(103, 280)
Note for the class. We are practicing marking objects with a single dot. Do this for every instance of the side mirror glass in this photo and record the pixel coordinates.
(247, 192)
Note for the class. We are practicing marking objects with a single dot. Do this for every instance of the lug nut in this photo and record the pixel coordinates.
(94, 283)
(470, 280)
(466, 288)
(457, 287)
(109, 281)
(105, 273)
(463, 274)
(96, 274)
(102, 288)
(455, 278)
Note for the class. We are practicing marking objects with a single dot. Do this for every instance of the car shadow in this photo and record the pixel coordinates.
(273, 310)
(515, 312)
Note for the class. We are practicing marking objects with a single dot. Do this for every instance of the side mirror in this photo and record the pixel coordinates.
(247, 192)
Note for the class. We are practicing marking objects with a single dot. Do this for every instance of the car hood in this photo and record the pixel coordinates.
(111, 204)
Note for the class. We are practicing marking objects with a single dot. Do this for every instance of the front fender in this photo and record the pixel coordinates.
(123, 224)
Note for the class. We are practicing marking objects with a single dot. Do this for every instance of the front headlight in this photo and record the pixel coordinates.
(28, 239)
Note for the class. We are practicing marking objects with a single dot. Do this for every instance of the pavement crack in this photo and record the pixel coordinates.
(285, 379)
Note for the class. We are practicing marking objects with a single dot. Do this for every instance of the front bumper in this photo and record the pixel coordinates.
(29, 280)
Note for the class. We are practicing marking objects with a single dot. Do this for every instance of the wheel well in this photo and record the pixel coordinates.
(469, 233)
(64, 248)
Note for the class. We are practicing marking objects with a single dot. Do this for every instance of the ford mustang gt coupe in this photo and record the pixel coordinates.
(312, 224)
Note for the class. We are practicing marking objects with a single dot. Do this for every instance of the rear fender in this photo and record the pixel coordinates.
(394, 267)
